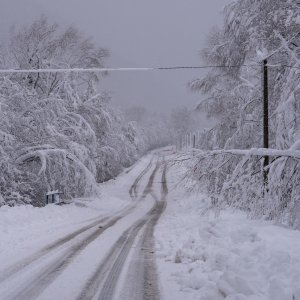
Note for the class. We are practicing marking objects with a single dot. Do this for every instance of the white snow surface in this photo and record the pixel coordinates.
(199, 255)
(228, 256)
(26, 229)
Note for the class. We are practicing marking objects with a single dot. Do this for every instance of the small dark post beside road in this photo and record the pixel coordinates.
(266, 119)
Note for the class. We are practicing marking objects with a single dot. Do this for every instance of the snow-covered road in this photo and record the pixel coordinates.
(111, 248)
(107, 256)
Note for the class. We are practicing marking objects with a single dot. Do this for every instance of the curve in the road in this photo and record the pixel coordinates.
(133, 191)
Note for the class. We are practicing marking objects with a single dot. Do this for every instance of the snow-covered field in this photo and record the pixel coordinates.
(201, 256)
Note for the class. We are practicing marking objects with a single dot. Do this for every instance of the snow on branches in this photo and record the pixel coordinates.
(56, 130)
(253, 30)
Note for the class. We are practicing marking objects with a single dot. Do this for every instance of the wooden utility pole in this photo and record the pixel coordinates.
(266, 118)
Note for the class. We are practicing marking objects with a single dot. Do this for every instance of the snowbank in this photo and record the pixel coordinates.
(201, 256)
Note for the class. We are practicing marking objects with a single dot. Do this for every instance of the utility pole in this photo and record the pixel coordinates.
(194, 144)
(266, 118)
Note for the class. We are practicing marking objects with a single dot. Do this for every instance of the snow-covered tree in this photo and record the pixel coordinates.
(56, 130)
(155, 127)
(253, 30)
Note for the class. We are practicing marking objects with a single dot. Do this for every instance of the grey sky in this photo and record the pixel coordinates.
(140, 33)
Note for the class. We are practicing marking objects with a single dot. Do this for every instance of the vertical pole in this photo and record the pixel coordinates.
(180, 142)
(186, 142)
(266, 118)
(194, 144)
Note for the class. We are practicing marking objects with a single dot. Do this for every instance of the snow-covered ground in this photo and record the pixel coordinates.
(201, 256)
(26, 229)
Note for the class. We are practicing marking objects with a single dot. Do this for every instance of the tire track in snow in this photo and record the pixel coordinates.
(111, 280)
(106, 277)
(150, 278)
(133, 189)
(48, 275)
(51, 247)
(164, 186)
(149, 187)
(142, 277)
(116, 262)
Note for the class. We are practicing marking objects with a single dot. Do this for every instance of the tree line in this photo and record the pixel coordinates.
(252, 30)
(59, 130)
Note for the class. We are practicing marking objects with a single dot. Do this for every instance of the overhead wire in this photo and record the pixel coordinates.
(106, 70)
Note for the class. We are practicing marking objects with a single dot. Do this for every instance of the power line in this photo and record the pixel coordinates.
(206, 67)
(106, 70)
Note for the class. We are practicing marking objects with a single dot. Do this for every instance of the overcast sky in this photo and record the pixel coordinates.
(139, 33)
